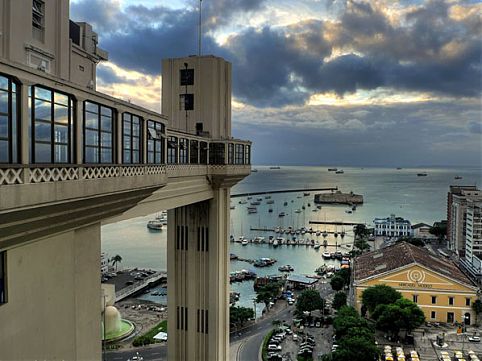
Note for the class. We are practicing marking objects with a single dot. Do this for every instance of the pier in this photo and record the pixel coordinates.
(139, 285)
(336, 223)
(285, 191)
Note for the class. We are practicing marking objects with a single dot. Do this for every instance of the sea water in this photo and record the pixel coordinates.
(385, 191)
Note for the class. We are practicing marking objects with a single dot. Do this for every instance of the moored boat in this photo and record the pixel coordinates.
(155, 225)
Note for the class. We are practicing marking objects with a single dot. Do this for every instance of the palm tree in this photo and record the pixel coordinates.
(116, 260)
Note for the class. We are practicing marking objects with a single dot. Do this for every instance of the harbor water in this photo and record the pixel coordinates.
(385, 191)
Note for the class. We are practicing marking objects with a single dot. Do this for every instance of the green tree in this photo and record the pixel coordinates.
(337, 283)
(379, 295)
(345, 274)
(239, 315)
(477, 308)
(116, 260)
(346, 319)
(362, 245)
(439, 229)
(309, 300)
(402, 313)
(264, 294)
(356, 346)
(361, 231)
(339, 300)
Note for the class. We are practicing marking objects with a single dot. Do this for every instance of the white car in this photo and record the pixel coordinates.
(474, 339)
(274, 347)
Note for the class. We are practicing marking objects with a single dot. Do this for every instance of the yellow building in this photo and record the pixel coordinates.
(436, 284)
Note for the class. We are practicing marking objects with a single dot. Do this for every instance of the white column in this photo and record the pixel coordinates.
(198, 297)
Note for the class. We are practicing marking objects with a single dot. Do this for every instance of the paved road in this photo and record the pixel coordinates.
(153, 353)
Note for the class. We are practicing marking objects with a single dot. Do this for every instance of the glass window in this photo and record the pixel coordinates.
(3, 277)
(433, 315)
(216, 153)
(434, 300)
(203, 153)
(98, 133)
(187, 76)
(186, 101)
(132, 138)
(155, 142)
(52, 123)
(193, 152)
(415, 298)
(238, 154)
(467, 301)
(451, 301)
(172, 150)
(183, 151)
(8, 121)
(230, 153)
(247, 154)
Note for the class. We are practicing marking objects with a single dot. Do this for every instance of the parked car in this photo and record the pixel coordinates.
(273, 347)
(474, 339)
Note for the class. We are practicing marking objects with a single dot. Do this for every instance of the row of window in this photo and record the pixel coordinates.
(52, 129)
(450, 300)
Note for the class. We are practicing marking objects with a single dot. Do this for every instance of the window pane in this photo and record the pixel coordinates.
(91, 120)
(135, 129)
(91, 155)
(135, 156)
(150, 157)
(150, 146)
(3, 83)
(42, 153)
(3, 126)
(43, 110)
(91, 107)
(3, 102)
(106, 156)
(106, 139)
(44, 94)
(127, 156)
(42, 131)
(3, 151)
(106, 123)
(106, 111)
(127, 128)
(91, 137)
(135, 143)
(61, 114)
(127, 142)
(61, 133)
(61, 99)
(61, 154)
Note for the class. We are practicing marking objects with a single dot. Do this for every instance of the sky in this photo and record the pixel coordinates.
(316, 82)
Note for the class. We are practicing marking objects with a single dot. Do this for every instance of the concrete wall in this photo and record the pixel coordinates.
(212, 95)
(53, 285)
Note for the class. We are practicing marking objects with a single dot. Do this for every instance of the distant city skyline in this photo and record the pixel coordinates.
(379, 83)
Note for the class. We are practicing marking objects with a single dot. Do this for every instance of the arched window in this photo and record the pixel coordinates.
(9, 120)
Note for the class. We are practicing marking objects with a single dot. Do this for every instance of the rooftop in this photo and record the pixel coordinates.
(403, 254)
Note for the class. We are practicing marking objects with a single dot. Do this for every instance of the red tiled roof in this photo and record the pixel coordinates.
(403, 254)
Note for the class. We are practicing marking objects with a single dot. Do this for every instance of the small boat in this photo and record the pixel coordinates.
(318, 206)
(232, 207)
(270, 210)
(282, 214)
(306, 194)
(245, 242)
(325, 243)
(342, 234)
(314, 210)
(255, 203)
(353, 208)
(340, 171)
(325, 234)
(287, 268)
(270, 201)
(298, 211)
(303, 207)
(335, 234)
(317, 245)
(259, 199)
(275, 243)
(276, 167)
(349, 211)
(248, 198)
(398, 168)
(155, 225)
(457, 177)
(285, 203)
(318, 233)
(162, 218)
(326, 255)
(422, 174)
(254, 170)
(332, 169)
(252, 210)
(242, 202)
(267, 197)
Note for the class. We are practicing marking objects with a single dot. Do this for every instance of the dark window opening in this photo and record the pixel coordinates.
(203, 153)
(239, 154)
(186, 102)
(230, 153)
(216, 153)
(193, 152)
(187, 76)
(74, 32)
(183, 151)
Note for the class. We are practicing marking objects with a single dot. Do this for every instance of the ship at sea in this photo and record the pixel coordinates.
(339, 197)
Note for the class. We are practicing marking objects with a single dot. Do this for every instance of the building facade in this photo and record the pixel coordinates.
(72, 159)
(436, 285)
(456, 216)
(422, 231)
(392, 227)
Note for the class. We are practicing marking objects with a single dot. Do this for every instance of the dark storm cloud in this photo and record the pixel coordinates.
(282, 65)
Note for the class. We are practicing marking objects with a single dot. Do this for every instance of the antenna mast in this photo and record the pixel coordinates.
(200, 25)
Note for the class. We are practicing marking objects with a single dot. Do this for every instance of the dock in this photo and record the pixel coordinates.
(299, 190)
(139, 285)
(336, 223)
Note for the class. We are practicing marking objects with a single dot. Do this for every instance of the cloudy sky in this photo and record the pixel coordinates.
(341, 82)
